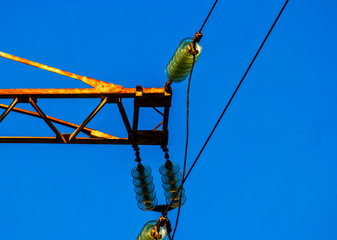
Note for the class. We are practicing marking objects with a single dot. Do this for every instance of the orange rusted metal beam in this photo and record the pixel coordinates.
(98, 84)
(79, 93)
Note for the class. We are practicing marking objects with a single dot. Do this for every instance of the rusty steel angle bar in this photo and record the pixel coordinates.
(149, 94)
(10, 107)
(158, 111)
(166, 116)
(125, 118)
(87, 120)
(98, 84)
(135, 118)
(158, 125)
(88, 131)
(47, 120)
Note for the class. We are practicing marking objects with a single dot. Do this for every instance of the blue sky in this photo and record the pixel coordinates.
(269, 172)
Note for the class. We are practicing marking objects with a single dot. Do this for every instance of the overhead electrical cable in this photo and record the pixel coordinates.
(209, 14)
(226, 107)
(197, 37)
(186, 146)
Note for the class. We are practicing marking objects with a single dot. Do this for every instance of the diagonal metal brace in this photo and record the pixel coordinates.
(47, 120)
(88, 131)
(88, 119)
(125, 118)
(98, 84)
(10, 107)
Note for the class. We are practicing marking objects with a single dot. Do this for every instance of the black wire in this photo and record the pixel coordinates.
(168, 229)
(169, 236)
(187, 125)
(186, 146)
(223, 112)
(187, 128)
(208, 15)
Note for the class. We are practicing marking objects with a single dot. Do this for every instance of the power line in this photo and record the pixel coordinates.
(197, 36)
(208, 15)
(186, 146)
(229, 102)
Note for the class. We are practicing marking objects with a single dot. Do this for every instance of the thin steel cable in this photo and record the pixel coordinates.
(223, 112)
(186, 146)
(209, 14)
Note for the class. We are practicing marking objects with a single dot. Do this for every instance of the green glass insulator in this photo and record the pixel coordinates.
(145, 234)
(144, 187)
(181, 62)
(172, 179)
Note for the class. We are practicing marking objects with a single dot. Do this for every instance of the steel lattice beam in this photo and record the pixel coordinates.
(143, 97)
(107, 92)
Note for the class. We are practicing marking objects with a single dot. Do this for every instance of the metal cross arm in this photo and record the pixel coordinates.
(108, 94)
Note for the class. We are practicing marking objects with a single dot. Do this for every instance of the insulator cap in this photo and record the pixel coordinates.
(146, 232)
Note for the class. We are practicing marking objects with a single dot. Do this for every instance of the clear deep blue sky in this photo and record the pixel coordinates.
(270, 170)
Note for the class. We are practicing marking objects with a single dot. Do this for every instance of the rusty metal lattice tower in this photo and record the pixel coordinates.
(108, 93)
